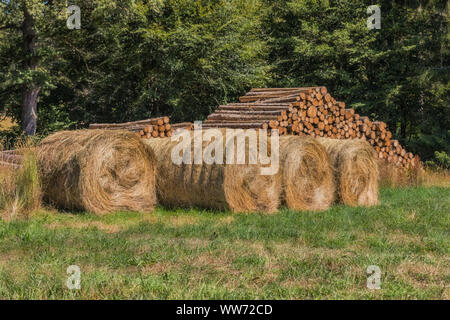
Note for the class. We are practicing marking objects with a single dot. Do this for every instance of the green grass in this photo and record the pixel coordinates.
(20, 191)
(195, 254)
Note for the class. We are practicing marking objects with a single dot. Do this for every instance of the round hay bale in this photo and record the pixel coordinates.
(99, 171)
(307, 176)
(235, 187)
(356, 170)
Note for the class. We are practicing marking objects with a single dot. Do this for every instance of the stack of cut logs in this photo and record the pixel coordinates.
(308, 111)
(150, 128)
(300, 111)
(10, 159)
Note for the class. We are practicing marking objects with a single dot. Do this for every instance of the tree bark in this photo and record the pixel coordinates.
(30, 91)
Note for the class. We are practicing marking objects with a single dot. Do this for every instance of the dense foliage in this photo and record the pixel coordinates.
(134, 59)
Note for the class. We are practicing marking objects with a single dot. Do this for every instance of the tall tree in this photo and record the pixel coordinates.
(175, 57)
(137, 58)
(24, 53)
(31, 89)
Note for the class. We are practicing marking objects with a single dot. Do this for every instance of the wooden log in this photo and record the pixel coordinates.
(183, 125)
(148, 129)
(237, 125)
(279, 89)
(254, 107)
(216, 117)
(248, 111)
(312, 111)
(269, 95)
(152, 121)
(287, 99)
(349, 113)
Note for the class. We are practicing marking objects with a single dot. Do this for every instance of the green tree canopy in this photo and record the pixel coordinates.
(134, 59)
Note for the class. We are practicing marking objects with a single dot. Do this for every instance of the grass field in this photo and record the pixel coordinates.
(206, 255)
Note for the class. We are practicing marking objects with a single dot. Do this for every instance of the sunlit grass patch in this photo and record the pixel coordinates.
(196, 254)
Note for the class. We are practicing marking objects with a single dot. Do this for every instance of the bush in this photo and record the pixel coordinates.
(20, 192)
(441, 161)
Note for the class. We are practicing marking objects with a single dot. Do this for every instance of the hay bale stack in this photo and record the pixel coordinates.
(98, 171)
(356, 171)
(307, 176)
(235, 187)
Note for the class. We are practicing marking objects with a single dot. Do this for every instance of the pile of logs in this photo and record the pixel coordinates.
(259, 109)
(10, 159)
(299, 111)
(149, 128)
(309, 111)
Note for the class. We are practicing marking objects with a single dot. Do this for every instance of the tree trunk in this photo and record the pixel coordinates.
(30, 91)
(29, 110)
